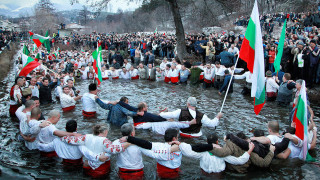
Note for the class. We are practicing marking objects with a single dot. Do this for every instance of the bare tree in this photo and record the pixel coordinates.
(45, 17)
(83, 14)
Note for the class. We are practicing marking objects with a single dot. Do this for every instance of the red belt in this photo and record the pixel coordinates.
(167, 173)
(167, 79)
(101, 171)
(207, 81)
(271, 94)
(105, 78)
(175, 79)
(201, 77)
(187, 135)
(135, 77)
(115, 77)
(88, 114)
(131, 174)
(72, 162)
(138, 123)
(48, 154)
(68, 108)
(12, 110)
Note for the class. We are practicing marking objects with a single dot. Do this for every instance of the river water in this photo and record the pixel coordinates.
(16, 161)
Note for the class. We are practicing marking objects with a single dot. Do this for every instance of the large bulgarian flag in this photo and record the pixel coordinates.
(97, 63)
(29, 64)
(38, 39)
(252, 52)
(46, 43)
(300, 118)
(277, 61)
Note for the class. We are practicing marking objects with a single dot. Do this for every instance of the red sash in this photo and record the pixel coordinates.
(68, 108)
(105, 78)
(167, 79)
(138, 123)
(207, 81)
(130, 174)
(175, 79)
(271, 94)
(72, 162)
(88, 114)
(167, 173)
(115, 77)
(187, 135)
(12, 110)
(48, 154)
(201, 76)
(101, 171)
(135, 77)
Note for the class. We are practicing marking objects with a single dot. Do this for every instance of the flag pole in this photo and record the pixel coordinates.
(225, 96)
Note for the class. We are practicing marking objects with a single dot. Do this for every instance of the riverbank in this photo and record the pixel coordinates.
(6, 58)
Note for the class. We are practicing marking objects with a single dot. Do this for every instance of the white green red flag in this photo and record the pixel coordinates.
(300, 118)
(252, 52)
(46, 43)
(37, 58)
(38, 39)
(56, 53)
(25, 50)
(29, 64)
(277, 61)
(97, 63)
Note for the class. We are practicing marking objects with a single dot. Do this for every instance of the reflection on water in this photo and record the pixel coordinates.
(18, 162)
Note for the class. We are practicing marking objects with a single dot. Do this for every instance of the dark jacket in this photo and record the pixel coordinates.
(45, 96)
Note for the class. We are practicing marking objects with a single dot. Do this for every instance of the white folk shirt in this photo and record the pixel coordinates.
(271, 85)
(66, 100)
(209, 73)
(167, 73)
(205, 120)
(31, 129)
(159, 76)
(210, 163)
(163, 65)
(133, 73)
(66, 151)
(35, 91)
(219, 71)
(247, 75)
(15, 93)
(161, 127)
(58, 91)
(127, 66)
(46, 134)
(96, 144)
(169, 160)
(125, 75)
(84, 74)
(174, 73)
(105, 74)
(114, 73)
(89, 103)
(21, 115)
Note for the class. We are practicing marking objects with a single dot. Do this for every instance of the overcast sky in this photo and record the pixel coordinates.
(114, 5)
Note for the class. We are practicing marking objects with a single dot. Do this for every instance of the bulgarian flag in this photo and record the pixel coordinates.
(252, 52)
(37, 58)
(26, 50)
(38, 39)
(29, 64)
(97, 63)
(300, 118)
(277, 61)
(56, 53)
(82, 51)
(46, 43)
(155, 31)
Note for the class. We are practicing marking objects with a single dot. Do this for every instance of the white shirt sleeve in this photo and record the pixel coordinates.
(51, 129)
(157, 154)
(46, 147)
(168, 115)
(237, 160)
(88, 154)
(186, 150)
(34, 127)
(274, 84)
(208, 122)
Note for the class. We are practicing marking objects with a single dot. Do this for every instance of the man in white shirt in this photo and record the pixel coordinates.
(88, 101)
(124, 74)
(189, 114)
(34, 87)
(214, 164)
(67, 102)
(71, 155)
(49, 133)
